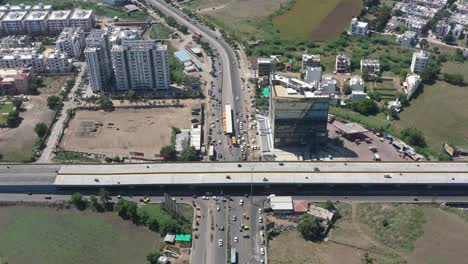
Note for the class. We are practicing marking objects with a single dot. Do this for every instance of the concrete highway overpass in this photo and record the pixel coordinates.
(264, 174)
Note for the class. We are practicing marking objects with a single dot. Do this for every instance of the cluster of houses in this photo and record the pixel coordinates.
(414, 15)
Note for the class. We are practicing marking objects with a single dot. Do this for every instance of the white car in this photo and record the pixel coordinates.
(260, 220)
(220, 243)
(262, 251)
(236, 239)
(241, 202)
(218, 209)
(259, 210)
(234, 218)
(205, 198)
(237, 98)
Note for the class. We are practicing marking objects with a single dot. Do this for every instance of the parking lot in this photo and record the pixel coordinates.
(361, 150)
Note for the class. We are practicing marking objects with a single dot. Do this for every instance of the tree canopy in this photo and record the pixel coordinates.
(413, 136)
(310, 228)
(40, 129)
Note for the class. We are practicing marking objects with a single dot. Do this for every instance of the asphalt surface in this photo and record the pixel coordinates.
(28, 174)
(229, 74)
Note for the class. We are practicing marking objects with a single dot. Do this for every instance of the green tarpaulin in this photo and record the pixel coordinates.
(183, 237)
(266, 91)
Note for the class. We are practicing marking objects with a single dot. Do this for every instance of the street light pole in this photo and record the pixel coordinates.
(251, 184)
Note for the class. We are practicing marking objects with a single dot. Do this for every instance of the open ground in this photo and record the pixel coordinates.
(47, 235)
(306, 19)
(388, 233)
(317, 20)
(16, 144)
(126, 130)
(239, 17)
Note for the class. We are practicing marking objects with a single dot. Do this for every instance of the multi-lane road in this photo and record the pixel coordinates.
(229, 77)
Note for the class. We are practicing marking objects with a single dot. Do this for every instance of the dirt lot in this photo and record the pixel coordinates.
(140, 130)
(16, 144)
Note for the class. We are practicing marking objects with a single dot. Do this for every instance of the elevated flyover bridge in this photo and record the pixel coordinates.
(269, 174)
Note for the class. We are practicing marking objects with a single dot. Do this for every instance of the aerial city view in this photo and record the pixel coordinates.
(233, 131)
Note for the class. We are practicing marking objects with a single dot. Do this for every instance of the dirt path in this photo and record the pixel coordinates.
(210, 9)
(373, 242)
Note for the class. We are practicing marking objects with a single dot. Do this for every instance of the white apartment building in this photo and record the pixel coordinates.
(20, 57)
(41, 7)
(411, 85)
(419, 61)
(35, 23)
(358, 28)
(58, 20)
(58, 62)
(140, 65)
(83, 18)
(21, 7)
(310, 60)
(71, 42)
(97, 55)
(407, 39)
(12, 23)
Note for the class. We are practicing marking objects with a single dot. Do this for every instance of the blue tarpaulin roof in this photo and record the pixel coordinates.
(182, 56)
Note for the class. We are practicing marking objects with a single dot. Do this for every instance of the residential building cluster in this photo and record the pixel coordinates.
(417, 13)
(49, 62)
(42, 20)
(460, 14)
(119, 61)
(71, 42)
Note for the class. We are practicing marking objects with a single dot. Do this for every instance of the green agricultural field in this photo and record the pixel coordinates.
(316, 19)
(48, 236)
(386, 89)
(5, 108)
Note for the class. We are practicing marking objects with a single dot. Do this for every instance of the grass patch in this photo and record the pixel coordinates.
(394, 225)
(100, 9)
(386, 89)
(455, 67)
(45, 235)
(71, 156)
(160, 31)
(5, 109)
(156, 211)
(372, 122)
(439, 111)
